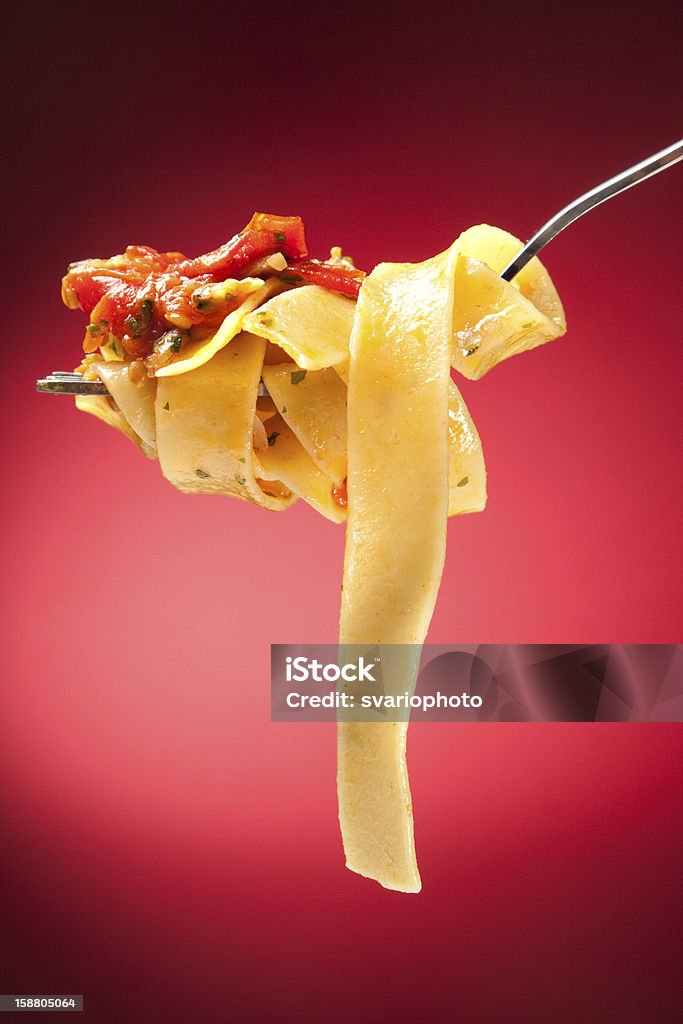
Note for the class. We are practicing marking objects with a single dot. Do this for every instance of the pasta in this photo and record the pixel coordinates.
(361, 420)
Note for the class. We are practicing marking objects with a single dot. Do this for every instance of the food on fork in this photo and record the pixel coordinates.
(361, 420)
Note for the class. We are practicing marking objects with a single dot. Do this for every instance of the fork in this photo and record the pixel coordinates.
(63, 383)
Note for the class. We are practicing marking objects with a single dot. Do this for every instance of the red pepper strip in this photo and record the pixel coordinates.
(346, 280)
(89, 280)
(264, 235)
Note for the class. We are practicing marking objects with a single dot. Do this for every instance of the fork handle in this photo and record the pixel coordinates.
(612, 187)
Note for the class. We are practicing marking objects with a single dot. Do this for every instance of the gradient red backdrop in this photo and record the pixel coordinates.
(166, 850)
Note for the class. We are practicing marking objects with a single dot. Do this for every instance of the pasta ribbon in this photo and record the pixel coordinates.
(494, 319)
(466, 466)
(197, 353)
(314, 405)
(205, 427)
(289, 461)
(395, 537)
(311, 324)
(103, 408)
(403, 410)
(496, 249)
(134, 397)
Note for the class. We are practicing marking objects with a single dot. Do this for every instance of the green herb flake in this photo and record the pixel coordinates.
(242, 459)
(202, 299)
(202, 473)
(136, 325)
(272, 438)
(471, 351)
(176, 341)
(167, 407)
(525, 327)
(240, 479)
(280, 237)
(465, 480)
(94, 330)
(284, 409)
(297, 376)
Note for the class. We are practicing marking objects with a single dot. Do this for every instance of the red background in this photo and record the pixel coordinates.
(166, 850)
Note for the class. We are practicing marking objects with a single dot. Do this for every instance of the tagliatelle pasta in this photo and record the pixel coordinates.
(361, 420)
(396, 535)
(310, 324)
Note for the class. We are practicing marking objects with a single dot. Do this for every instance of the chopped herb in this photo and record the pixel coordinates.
(298, 376)
(136, 325)
(284, 409)
(242, 459)
(471, 351)
(104, 323)
(167, 407)
(202, 298)
(465, 480)
(94, 330)
(229, 296)
(266, 319)
(280, 237)
(202, 474)
(240, 479)
(170, 341)
(525, 327)
(272, 438)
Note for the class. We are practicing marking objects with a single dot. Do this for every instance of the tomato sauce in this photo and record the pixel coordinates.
(142, 295)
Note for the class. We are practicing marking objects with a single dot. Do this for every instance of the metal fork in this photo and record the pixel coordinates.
(61, 383)
(612, 187)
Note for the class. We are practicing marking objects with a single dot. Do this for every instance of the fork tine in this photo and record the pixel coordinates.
(63, 382)
(59, 383)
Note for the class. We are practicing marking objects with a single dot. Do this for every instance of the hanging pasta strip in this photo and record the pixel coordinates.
(395, 539)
